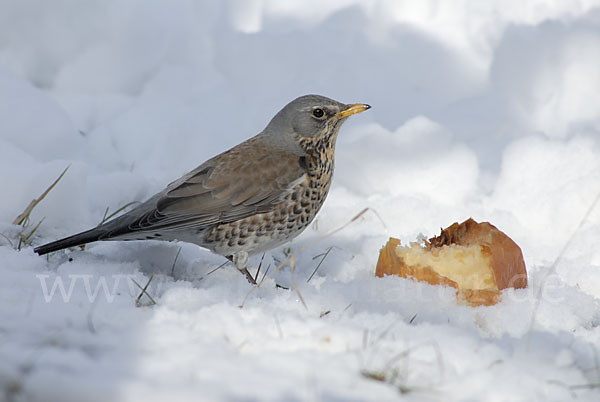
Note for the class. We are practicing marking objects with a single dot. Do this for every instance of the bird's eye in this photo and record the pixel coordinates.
(318, 113)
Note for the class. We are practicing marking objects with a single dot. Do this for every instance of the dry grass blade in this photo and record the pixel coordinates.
(24, 216)
(294, 284)
(106, 218)
(374, 375)
(310, 245)
(552, 269)
(175, 261)
(259, 266)
(325, 254)
(412, 319)
(279, 331)
(7, 239)
(585, 386)
(405, 353)
(144, 291)
(397, 377)
(266, 272)
(217, 268)
(24, 238)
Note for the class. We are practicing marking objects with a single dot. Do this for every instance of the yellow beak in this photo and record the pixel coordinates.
(352, 109)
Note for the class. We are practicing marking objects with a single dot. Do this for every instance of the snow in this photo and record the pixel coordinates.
(480, 109)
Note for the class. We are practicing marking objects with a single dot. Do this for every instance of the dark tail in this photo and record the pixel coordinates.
(76, 240)
(117, 228)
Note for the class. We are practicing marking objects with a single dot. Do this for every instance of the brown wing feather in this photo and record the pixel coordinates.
(235, 184)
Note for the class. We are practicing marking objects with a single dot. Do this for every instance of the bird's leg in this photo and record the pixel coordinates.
(240, 260)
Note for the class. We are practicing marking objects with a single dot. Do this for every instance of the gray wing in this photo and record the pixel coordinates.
(238, 183)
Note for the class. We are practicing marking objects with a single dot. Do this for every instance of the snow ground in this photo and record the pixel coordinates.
(482, 109)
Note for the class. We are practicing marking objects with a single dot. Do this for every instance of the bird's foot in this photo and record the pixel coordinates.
(248, 276)
(240, 260)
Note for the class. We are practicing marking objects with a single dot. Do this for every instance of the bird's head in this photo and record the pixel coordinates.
(310, 119)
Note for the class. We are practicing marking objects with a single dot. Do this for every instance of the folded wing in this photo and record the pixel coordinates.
(234, 185)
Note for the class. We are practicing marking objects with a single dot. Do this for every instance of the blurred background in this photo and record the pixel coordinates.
(215, 71)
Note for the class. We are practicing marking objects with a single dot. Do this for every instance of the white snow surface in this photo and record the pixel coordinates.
(483, 109)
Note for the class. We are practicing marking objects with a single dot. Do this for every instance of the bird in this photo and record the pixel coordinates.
(247, 200)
